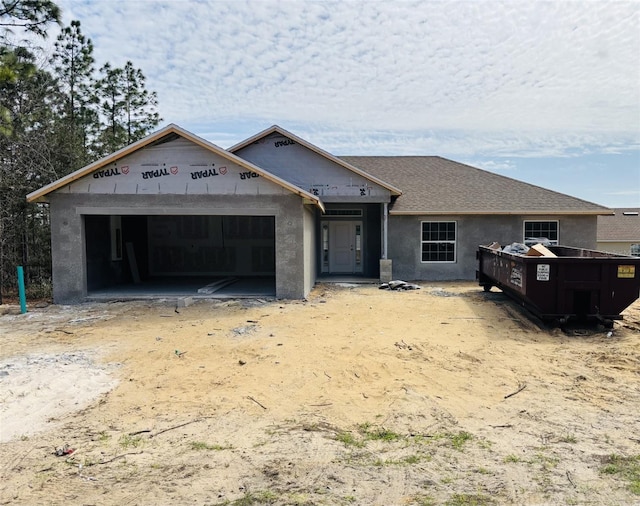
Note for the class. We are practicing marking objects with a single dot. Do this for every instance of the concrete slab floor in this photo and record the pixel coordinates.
(174, 288)
(180, 287)
(356, 280)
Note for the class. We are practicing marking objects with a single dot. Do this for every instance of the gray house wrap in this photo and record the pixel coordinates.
(277, 208)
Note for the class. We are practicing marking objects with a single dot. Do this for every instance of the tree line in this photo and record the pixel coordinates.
(58, 113)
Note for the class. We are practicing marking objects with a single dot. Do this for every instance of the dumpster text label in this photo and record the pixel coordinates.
(626, 271)
(516, 275)
(542, 272)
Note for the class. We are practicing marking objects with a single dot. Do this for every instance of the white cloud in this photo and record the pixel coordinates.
(403, 66)
(630, 192)
(493, 165)
(482, 81)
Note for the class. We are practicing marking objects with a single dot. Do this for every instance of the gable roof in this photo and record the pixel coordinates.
(395, 191)
(624, 226)
(436, 185)
(169, 132)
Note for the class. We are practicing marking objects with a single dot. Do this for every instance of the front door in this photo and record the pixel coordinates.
(345, 247)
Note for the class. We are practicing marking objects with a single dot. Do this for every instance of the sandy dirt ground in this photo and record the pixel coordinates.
(443, 395)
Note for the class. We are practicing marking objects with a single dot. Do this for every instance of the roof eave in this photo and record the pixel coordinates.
(503, 213)
(253, 138)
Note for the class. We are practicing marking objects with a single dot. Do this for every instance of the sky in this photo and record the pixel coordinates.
(547, 92)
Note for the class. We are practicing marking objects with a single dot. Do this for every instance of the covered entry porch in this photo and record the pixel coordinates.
(351, 241)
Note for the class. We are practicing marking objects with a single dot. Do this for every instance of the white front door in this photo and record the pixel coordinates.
(345, 247)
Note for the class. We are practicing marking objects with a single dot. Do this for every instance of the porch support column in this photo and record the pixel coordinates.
(385, 263)
(385, 221)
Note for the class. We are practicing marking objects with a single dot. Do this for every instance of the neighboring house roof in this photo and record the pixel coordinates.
(162, 135)
(624, 226)
(338, 160)
(435, 185)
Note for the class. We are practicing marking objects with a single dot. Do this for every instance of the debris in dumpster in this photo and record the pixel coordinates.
(398, 285)
(538, 250)
(516, 248)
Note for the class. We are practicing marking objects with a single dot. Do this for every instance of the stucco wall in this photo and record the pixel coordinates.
(405, 241)
(67, 232)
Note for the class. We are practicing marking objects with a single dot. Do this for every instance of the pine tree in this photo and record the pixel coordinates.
(73, 64)
(140, 105)
(51, 125)
(22, 87)
(29, 15)
(27, 162)
(127, 108)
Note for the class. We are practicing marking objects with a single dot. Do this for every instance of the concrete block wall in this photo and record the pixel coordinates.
(310, 249)
(68, 253)
(68, 236)
(472, 230)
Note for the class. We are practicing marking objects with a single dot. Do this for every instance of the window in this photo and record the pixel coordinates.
(438, 241)
(635, 250)
(545, 232)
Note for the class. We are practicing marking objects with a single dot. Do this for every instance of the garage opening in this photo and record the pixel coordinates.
(180, 255)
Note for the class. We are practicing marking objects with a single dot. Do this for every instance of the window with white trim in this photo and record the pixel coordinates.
(545, 232)
(438, 241)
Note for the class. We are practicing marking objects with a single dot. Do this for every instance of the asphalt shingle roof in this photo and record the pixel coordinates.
(432, 184)
(621, 227)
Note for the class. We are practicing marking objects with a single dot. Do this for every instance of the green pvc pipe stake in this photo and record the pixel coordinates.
(21, 292)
